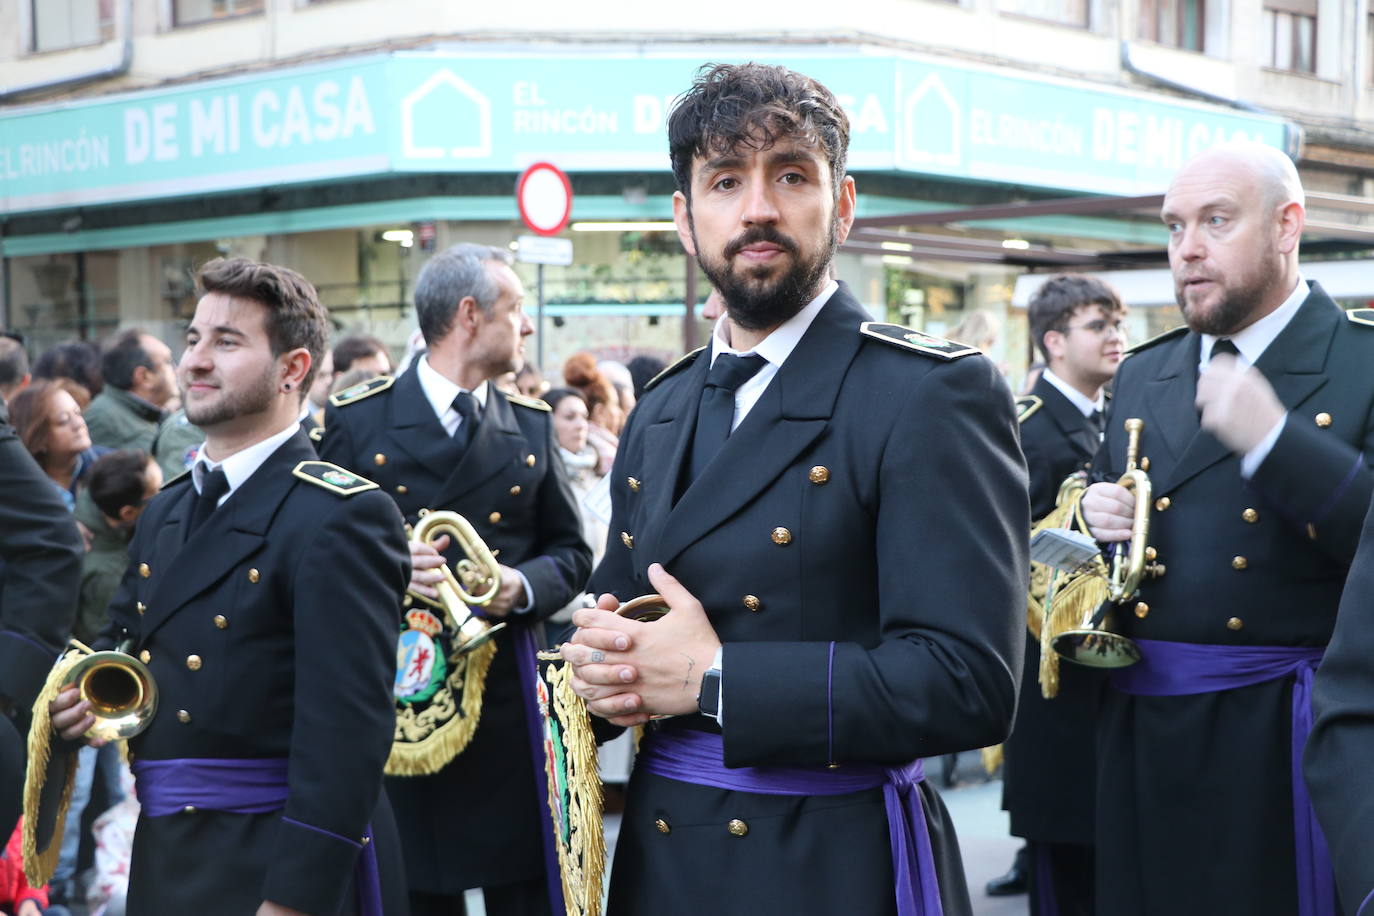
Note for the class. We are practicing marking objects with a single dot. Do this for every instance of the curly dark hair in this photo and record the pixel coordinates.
(753, 106)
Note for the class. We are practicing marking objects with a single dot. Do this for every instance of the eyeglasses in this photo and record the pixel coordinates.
(1098, 326)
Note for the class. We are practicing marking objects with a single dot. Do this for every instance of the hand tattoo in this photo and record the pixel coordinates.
(597, 656)
(691, 664)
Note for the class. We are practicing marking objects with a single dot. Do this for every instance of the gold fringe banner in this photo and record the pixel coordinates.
(39, 864)
(421, 746)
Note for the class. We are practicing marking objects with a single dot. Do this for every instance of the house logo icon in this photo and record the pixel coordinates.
(933, 125)
(445, 118)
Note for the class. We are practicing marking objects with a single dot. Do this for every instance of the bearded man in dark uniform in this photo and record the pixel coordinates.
(835, 510)
(442, 436)
(1259, 432)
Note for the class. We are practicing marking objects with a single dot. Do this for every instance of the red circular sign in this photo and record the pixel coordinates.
(545, 198)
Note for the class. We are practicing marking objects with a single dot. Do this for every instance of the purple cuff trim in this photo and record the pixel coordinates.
(830, 706)
(1331, 501)
(328, 833)
(37, 645)
(1368, 897)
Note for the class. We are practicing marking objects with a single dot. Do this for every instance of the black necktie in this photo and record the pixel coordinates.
(1223, 345)
(466, 405)
(212, 486)
(1096, 420)
(717, 412)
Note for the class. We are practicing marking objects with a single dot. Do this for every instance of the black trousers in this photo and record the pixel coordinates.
(1061, 879)
(526, 898)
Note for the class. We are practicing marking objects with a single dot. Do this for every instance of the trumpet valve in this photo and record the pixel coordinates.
(1155, 570)
(1150, 553)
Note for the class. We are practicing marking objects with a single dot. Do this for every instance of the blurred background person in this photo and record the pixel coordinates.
(624, 385)
(72, 359)
(603, 407)
(643, 368)
(361, 351)
(139, 383)
(318, 395)
(50, 424)
(530, 382)
(571, 428)
(14, 367)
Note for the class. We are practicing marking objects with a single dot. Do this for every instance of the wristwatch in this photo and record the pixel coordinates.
(708, 701)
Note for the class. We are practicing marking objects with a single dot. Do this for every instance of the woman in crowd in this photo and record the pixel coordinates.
(571, 427)
(48, 418)
(603, 407)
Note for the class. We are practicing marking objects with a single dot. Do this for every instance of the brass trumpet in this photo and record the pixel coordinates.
(1093, 641)
(477, 582)
(120, 689)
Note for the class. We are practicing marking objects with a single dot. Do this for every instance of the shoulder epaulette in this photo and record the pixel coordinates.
(184, 475)
(916, 341)
(534, 403)
(316, 433)
(332, 478)
(362, 390)
(1361, 316)
(1158, 338)
(682, 363)
(1026, 405)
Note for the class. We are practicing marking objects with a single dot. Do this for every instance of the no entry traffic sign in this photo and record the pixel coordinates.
(545, 198)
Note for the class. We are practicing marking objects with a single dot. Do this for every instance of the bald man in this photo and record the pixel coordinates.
(1259, 435)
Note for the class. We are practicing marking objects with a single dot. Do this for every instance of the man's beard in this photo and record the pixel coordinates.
(750, 300)
(1237, 303)
(253, 399)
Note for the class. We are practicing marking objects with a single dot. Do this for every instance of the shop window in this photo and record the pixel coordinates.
(189, 12)
(1289, 35)
(1067, 12)
(59, 24)
(1176, 23)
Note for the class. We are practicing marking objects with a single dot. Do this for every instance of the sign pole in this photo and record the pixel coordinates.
(540, 327)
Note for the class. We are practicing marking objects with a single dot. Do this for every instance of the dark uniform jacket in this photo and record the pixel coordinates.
(271, 633)
(1194, 804)
(873, 500)
(1053, 743)
(476, 822)
(40, 572)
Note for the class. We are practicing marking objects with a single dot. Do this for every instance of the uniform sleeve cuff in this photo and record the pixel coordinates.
(312, 868)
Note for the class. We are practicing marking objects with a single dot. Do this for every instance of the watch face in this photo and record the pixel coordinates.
(708, 702)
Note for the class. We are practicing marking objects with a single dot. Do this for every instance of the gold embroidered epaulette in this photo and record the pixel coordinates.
(681, 364)
(316, 433)
(362, 390)
(1361, 316)
(1158, 338)
(1026, 406)
(916, 341)
(534, 403)
(332, 478)
(177, 479)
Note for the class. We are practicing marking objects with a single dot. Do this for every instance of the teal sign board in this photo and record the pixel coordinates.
(458, 112)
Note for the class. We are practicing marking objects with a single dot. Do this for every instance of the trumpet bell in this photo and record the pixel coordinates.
(121, 691)
(1096, 648)
(475, 632)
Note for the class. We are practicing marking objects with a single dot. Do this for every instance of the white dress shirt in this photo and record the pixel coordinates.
(239, 466)
(1085, 404)
(441, 391)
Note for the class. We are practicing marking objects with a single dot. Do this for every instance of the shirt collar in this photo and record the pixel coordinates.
(1078, 399)
(1253, 340)
(440, 391)
(783, 339)
(239, 466)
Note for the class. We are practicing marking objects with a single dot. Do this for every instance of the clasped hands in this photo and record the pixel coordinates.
(628, 670)
(1235, 403)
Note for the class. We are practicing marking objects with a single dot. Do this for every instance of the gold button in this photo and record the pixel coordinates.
(145, 656)
(1235, 623)
(1250, 515)
(1144, 464)
(819, 474)
(752, 602)
(365, 840)
(494, 517)
(737, 827)
(1151, 553)
(221, 621)
(189, 809)
(402, 489)
(832, 766)
(144, 571)
(142, 608)
(1239, 562)
(782, 536)
(634, 484)
(1311, 531)
(1323, 419)
(515, 490)
(254, 575)
(183, 716)
(1162, 503)
(1142, 610)
(379, 459)
(529, 461)
(627, 539)
(663, 826)
(193, 662)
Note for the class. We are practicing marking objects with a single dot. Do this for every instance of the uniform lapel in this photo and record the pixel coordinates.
(418, 431)
(666, 445)
(793, 413)
(232, 533)
(1169, 415)
(1075, 427)
(496, 442)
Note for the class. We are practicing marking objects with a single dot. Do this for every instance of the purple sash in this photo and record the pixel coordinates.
(1179, 668)
(697, 757)
(242, 786)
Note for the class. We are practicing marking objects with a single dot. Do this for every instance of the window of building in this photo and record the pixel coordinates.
(59, 24)
(1176, 23)
(1289, 35)
(188, 12)
(1068, 12)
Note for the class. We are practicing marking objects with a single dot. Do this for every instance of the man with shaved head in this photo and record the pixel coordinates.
(1259, 436)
